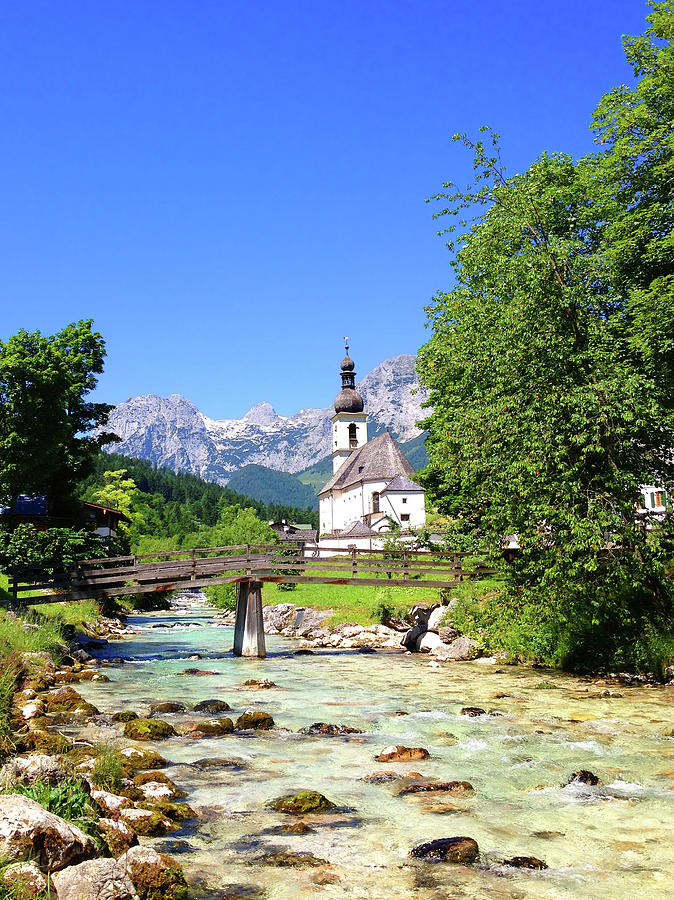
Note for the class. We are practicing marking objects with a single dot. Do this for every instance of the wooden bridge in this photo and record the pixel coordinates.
(247, 566)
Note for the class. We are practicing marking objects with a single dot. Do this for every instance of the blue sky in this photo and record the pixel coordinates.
(228, 187)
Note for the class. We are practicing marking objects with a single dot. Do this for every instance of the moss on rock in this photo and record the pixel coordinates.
(137, 760)
(148, 730)
(125, 715)
(213, 726)
(261, 721)
(45, 742)
(301, 803)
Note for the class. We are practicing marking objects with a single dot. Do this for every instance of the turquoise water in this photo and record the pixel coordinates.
(610, 841)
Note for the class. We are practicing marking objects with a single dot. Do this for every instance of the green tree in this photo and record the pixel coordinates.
(121, 493)
(552, 401)
(46, 420)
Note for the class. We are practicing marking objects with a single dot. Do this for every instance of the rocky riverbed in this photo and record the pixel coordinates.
(372, 774)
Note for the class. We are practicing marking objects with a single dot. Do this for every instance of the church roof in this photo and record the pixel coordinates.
(402, 483)
(380, 459)
(358, 529)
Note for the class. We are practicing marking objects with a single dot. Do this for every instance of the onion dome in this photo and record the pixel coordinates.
(349, 401)
(348, 365)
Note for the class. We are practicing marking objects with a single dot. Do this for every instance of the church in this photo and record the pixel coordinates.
(371, 488)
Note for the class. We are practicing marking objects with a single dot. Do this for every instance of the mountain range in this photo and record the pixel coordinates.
(254, 453)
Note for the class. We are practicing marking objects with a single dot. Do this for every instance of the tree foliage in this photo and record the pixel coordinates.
(551, 368)
(46, 420)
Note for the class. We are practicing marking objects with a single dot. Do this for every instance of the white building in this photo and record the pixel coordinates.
(371, 487)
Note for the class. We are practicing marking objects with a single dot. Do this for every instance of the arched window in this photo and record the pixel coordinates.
(375, 501)
(353, 437)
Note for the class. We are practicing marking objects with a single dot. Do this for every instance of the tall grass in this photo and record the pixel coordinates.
(78, 614)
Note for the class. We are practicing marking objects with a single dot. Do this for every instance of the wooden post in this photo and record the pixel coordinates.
(14, 591)
(240, 616)
(249, 624)
(354, 563)
(193, 576)
(406, 566)
(249, 562)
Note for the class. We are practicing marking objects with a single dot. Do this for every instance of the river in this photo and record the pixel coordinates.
(615, 840)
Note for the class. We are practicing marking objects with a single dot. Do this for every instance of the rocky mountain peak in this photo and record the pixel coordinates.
(262, 414)
(172, 432)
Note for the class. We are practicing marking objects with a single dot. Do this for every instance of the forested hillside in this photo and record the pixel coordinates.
(173, 504)
(269, 486)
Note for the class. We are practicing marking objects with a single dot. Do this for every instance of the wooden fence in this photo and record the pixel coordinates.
(172, 570)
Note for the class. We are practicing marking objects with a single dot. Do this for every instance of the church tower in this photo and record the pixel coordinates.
(349, 423)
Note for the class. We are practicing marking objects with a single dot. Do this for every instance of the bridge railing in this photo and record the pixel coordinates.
(171, 570)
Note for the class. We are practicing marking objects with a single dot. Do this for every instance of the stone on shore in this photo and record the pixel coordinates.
(452, 850)
(37, 767)
(97, 879)
(429, 642)
(137, 760)
(110, 803)
(154, 875)
(117, 835)
(23, 881)
(146, 822)
(462, 648)
(29, 832)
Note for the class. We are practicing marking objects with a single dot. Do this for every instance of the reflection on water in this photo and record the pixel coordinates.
(613, 841)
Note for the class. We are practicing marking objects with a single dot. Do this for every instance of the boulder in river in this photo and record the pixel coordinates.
(291, 859)
(154, 875)
(220, 762)
(324, 728)
(211, 727)
(398, 753)
(584, 777)
(452, 849)
(301, 803)
(125, 715)
(261, 721)
(97, 879)
(167, 706)
(525, 862)
(259, 683)
(212, 707)
(148, 730)
(426, 787)
(28, 831)
(473, 711)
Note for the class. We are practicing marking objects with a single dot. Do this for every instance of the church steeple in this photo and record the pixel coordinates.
(348, 399)
(349, 429)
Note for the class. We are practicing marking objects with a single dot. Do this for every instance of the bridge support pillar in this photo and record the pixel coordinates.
(249, 625)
